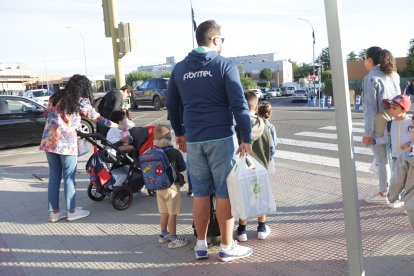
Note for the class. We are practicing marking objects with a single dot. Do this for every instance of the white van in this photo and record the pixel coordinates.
(288, 90)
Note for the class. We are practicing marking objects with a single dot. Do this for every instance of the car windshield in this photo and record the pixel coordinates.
(41, 93)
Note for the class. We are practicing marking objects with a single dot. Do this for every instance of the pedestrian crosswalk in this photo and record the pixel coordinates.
(323, 140)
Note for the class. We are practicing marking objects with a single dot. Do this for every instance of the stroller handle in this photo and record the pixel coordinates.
(97, 136)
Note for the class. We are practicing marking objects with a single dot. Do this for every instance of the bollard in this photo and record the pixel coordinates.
(314, 101)
(329, 101)
(357, 102)
(323, 102)
(309, 101)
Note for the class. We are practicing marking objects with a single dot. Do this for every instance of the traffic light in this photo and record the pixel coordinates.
(107, 18)
(126, 42)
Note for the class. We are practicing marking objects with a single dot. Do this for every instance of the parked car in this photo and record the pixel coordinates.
(151, 92)
(275, 92)
(288, 90)
(22, 121)
(41, 96)
(300, 95)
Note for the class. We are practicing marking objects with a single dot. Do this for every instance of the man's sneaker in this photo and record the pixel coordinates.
(163, 239)
(262, 234)
(190, 193)
(236, 252)
(241, 236)
(201, 252)
(78, 214)
(178, 242)
(396, 204)
(377, 199)
(56, 217)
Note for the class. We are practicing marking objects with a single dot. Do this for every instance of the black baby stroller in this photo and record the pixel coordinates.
(213, 231)
(113, 174)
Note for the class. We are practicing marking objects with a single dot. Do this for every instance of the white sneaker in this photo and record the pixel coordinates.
(241, 236)
(405, 212)
(178, 242)
(377, 199)
(78, 214)
(236, 252)
(262, 234)
(396, 204)
(56, 217)
(201, 252)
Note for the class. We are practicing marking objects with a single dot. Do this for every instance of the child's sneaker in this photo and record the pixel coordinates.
(241, 236)
(178, 242)
(163, 239)
(56, 217)
(396, 204)
(78, 214)
(263, 233)
(377, 199)
(201, 252)
(236, 252)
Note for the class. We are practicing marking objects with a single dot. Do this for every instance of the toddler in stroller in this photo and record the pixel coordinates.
(114, 175)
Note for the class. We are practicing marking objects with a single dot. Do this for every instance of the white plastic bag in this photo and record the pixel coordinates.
(82, 147)
(249, 189)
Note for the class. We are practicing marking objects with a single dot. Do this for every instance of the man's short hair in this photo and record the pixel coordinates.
(117, 116)
(205, 31)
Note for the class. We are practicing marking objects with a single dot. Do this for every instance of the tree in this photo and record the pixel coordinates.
(166, 74)
(352, 56)
(300, 71)
(247, 83)
(361, 54)
(139, 76)
(409, 71)
(324, 59)
(266, 74)
(326, 78)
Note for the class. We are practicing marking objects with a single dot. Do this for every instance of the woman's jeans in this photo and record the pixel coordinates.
(384, 170)
(61, 166)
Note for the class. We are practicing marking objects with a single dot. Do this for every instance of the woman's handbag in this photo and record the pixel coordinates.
(82, 147)
(250, 191)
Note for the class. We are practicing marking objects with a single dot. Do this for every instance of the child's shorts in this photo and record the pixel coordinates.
(169, 200)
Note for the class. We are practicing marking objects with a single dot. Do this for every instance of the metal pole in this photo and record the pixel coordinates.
(119, 70)
(313, 58)
(84, 48)
(344, 131)
(44, 59)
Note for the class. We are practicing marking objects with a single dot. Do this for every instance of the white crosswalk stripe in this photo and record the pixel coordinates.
(302, 141)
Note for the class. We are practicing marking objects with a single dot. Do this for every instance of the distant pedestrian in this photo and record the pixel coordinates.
(169, 200)
(127, 97)
(207, 87)
(404, 179)
(59, 141)
(382, 82)
(409, 90)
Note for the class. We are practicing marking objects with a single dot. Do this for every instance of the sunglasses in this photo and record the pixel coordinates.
(220, 37)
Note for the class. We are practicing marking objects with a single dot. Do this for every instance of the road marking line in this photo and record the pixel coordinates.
(324, 146)
(159, 119)
(354, 129)
(319, 160)
(325, 135)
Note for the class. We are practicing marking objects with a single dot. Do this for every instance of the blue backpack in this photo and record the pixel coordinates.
(157, 170)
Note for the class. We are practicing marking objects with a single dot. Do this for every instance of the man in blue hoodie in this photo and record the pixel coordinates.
(207, 87)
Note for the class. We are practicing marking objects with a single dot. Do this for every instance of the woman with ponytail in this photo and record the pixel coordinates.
(382, 82)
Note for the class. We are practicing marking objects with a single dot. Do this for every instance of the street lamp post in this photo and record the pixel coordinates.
(313, 59)
(44, 59)
(84, 48)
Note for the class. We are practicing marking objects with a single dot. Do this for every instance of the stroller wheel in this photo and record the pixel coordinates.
(121, 197)
(152, 192)
(94, 193)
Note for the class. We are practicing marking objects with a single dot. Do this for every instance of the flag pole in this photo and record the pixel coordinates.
(193, 23)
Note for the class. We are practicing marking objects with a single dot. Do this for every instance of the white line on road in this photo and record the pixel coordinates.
(354, 129)
(323, 146)
(325, 135)
(319, 160)
(159, 119)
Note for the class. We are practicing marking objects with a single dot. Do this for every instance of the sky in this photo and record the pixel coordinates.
(34, 33)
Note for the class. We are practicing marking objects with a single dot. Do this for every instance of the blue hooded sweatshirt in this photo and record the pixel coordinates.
(204, 93)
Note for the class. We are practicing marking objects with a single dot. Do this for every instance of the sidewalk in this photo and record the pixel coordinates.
(307, 233)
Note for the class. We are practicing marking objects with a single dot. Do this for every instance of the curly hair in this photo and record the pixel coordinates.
(78, 86)
(383, 57)
(265, 110)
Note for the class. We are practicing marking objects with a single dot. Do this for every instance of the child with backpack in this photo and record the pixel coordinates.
(261, 152)
(265, 112)
(168, 187)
